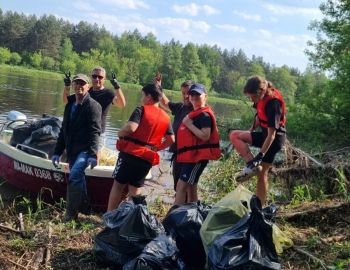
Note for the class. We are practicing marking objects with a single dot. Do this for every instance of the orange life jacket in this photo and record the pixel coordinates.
(145, 141)
(260, 107)
(191, 149)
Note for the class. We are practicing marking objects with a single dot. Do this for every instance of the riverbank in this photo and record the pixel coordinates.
(175, 94)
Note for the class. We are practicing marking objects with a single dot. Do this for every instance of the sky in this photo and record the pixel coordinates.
(276, 30)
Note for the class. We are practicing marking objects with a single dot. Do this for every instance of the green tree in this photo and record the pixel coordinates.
(35, 59)
(5, 55)
(283, 80)
(45, 36)
(15, 59)
(331, 53)
(171, 67)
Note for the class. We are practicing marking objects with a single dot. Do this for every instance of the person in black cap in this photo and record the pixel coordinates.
(179, 110)
(197, 143)
(79, 135)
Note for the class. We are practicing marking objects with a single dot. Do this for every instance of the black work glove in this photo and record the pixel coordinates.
(257, 159)
(114, 81)
(67, 80)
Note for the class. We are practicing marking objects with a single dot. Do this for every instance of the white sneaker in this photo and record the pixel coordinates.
(249, 171)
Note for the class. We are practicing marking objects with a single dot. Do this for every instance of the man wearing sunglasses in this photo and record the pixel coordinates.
(79, 136)
(104, 96)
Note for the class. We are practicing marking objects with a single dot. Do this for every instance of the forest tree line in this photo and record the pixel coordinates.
(316, 105)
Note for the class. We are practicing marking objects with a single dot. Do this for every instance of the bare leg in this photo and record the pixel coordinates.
(116, 195)
(192, 195)
(134, 191)
(181, 191)
(263, 183)
(241, 139)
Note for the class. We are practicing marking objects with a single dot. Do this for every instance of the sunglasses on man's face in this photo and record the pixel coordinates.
(94, 76)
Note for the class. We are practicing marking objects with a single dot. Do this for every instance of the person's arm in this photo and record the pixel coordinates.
(127, 129)
(271, 134)
(119, 99)
(94, 128)
(169, 139)
(255, 123)
(164, 102)
(203, 133)
(67, 82)
(66, 93)
(132, 124)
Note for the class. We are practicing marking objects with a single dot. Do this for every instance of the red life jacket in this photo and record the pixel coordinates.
(191, 149)
(260, 107)
(148, 135)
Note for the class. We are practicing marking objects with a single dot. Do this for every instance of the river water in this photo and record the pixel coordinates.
(35, 96)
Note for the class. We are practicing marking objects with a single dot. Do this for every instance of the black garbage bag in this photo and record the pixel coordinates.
(131, 229)
(248, 244)
(159, 254)
(38, 134)
(183, 224)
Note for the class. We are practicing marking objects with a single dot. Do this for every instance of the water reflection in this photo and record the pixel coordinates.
(35, 96)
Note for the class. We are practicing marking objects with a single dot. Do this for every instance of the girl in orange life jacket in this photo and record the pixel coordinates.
(138, 143)
(197, 143)
(271, 117)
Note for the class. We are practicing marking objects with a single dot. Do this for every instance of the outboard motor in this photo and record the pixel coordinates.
(15, 116)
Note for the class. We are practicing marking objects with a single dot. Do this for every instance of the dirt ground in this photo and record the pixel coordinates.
(320, 232)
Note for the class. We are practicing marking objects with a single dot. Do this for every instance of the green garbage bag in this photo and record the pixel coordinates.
(226, 212)
(280, 240)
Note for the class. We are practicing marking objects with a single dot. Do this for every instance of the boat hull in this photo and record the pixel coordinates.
(38, 176)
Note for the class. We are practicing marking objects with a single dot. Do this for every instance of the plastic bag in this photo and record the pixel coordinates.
(159, 254)
(248, 243)
(225, 213)
(130, 229)
(183, 224)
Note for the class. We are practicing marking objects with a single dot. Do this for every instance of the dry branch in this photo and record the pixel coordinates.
(311, 256)
(10, 229)
(48, 247)
(295, 215)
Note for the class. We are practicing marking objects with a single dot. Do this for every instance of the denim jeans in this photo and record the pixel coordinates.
(77, 171)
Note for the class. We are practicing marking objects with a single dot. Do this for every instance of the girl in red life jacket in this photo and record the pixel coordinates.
(197, 143)
(138, 143)
(271, 117)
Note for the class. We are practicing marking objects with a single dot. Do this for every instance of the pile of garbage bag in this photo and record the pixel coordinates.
(235, 233)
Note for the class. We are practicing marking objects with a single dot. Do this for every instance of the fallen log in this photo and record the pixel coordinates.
(290, 216)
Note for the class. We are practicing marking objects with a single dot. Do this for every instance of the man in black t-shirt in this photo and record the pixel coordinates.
(179, 110)
(104, 96)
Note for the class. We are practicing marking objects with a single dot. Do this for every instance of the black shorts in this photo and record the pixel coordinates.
(258, 139)
(190, 172)
(131, 170)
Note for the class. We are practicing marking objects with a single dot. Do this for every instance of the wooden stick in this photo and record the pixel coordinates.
(21, 223)
(48, 248)
(10, 229)
(314, 258)
(17, 264)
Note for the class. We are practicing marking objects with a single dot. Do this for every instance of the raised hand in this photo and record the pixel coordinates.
(114, 81)
(67, 78)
